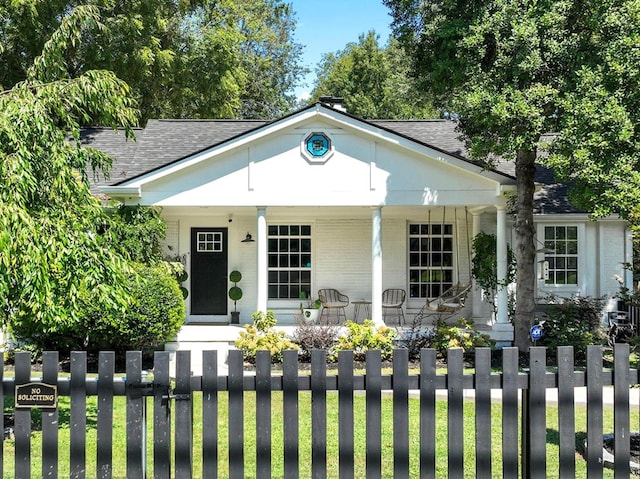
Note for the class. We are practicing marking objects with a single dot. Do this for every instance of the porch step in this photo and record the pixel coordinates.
(203, 337)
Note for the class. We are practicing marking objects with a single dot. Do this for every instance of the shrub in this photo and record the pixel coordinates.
(155, 316)
(360, 338)
(261, 336)
(575, 321)
(415, 338)
(310, 336)
(461, 335)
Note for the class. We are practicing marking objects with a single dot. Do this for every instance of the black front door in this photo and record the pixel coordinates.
(209, 271)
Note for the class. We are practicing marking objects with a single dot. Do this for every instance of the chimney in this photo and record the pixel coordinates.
(333, 102)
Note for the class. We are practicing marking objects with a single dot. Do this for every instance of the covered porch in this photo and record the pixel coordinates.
(359, 251)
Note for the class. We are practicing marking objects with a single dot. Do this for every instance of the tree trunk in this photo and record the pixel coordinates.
(525, 248)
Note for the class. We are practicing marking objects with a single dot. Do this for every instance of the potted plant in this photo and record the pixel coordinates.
(235, 295)
(310, 308)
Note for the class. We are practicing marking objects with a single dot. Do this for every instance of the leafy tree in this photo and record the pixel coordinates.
(513, 71)
(600, 122)
(137, 232)
(270, 58)
(373, 81)
(181, 59)
(51, 249)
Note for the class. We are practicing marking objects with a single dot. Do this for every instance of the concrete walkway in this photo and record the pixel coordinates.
(580, 395)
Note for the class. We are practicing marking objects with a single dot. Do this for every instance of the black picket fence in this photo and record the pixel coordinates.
(165, 436)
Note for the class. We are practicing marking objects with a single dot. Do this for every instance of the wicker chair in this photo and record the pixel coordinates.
(333, 299)
(393, 299)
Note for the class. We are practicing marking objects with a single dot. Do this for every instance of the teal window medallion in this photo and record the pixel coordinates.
(317, 147)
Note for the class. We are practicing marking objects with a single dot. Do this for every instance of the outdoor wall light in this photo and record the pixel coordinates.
(248, 238)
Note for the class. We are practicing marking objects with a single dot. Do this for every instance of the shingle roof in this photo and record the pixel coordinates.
(164, 141)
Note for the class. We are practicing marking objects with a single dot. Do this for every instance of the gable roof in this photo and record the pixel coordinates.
(164, 142)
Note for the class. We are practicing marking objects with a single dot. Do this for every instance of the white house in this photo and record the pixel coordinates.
(333, 201)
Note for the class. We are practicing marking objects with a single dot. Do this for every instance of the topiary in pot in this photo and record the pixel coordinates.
(235, 295)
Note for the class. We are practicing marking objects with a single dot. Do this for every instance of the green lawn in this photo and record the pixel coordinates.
(119, 466)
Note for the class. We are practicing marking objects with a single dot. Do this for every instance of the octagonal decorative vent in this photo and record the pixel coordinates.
(317, 147)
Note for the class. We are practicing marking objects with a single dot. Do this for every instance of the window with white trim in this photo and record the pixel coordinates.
(209, 241)
(289, 261)
(561, 253)
(431, 259)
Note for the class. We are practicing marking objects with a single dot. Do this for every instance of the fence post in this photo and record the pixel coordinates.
(161, 416)
(345, 413)
(290, 412)
(594, 411)
(510, 413)
(235, 393)
(104, 443)
(373, 394)
(318, 413)
(263, 414)
(50, 418)
(428, 413)
(534, 431)
(78, 415)
(621, 411)
(22, 419)
(210, 414)
(183, 416)
(136, 416)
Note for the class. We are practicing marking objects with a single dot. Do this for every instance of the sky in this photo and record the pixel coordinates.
(325, 26)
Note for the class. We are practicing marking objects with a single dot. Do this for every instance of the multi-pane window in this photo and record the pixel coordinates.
(209, 242)
(561, 246)
(289, 261)
(430, 259)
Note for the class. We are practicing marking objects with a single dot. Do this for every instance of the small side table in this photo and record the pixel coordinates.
(364, 305)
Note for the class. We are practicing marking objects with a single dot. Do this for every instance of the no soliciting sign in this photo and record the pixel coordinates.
(36, 395)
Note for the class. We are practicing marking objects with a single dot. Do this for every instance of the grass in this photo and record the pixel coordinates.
(119, 458)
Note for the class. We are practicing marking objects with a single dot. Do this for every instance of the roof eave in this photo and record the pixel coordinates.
(122, 191)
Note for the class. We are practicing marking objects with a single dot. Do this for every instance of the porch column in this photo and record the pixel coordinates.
(476, 305)
(262, 260)
(376, 266)
(503, 329)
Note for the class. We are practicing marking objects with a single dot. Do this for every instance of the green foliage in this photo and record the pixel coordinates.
(54, 248)
(176, 266)
(154, 315)
(461, 335)
(197, 59)
(261, 336)
(235, 293)
(235, 276)
(575, 321)
(484, 268)
(513, 72)
(374, 81)
(314, 336)
(309, 302)
(137, 232)
(360, 338)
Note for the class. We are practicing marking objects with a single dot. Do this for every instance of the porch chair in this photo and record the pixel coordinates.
(333, 299)
(393, 299)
